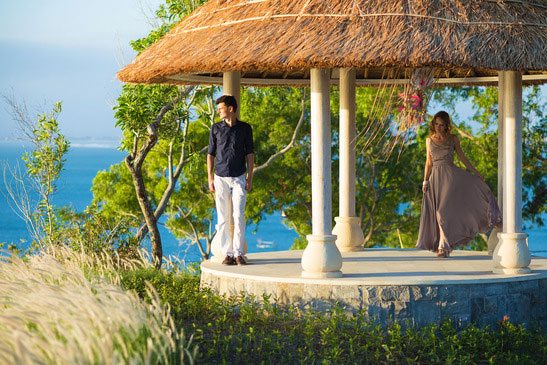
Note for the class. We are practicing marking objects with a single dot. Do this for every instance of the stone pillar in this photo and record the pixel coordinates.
(321, 258)
(231, 85)
(493, 238)
(512, 255)
(347, 229)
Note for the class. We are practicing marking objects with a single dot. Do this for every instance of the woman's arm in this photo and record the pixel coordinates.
(463, 158)
(427, 168)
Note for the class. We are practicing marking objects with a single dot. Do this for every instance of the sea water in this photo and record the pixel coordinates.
(83, 161)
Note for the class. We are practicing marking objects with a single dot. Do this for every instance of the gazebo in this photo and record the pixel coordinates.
(355, 43)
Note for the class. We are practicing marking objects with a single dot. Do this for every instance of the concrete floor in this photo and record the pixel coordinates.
(381, 267)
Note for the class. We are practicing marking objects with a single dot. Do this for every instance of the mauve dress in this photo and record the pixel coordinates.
(456, 206)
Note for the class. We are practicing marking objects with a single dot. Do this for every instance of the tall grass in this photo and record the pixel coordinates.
(63, 307)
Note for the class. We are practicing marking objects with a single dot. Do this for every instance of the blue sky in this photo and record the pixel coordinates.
(69, 50)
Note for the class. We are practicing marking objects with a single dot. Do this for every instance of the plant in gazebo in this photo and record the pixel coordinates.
(414, 98)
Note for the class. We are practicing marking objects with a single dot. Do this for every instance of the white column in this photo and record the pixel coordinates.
(321, 258)
(512, 256)
(493, 238)
(347, 229)
(501, 136)
(231, 85)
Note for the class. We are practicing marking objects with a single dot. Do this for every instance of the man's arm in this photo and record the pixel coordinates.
(211, 152)
(210, 173)
(250, 157)
(250, 169)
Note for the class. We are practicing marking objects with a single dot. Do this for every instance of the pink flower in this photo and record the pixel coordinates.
(416, 101)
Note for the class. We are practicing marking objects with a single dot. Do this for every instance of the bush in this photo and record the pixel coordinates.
(244, 330)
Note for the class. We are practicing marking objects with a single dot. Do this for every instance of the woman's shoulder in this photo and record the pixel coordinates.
(455, 141)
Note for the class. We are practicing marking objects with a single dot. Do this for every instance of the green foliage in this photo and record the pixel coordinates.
(137, 108)
(114, 195)
(387, 188)
(96, 233)
(46, 160)
(167, 15)
(286, 183)
(10, 247)
(44, 165)
(243, 330)
(182, 136)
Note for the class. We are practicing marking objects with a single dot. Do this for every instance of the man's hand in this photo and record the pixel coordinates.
(212, 186)
(249, 185)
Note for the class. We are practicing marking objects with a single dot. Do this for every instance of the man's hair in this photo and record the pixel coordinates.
(228, 100)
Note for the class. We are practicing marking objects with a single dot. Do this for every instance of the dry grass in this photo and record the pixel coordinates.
(284, 39)
(62, 307)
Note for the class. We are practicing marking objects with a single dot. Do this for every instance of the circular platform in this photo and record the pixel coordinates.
(404, 285)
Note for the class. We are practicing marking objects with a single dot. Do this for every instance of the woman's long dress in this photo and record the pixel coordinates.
(456, 206)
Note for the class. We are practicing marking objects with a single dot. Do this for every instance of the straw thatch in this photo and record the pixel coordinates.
(283, 39)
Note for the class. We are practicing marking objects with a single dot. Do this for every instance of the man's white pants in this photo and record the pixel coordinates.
(230, 194)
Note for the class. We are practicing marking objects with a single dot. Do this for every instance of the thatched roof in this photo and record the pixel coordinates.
(283, 39)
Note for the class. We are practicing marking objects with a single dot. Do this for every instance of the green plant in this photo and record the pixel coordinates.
(256, 330)
(64, 307)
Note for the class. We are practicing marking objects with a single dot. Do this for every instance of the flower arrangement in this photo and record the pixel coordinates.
(413, 99)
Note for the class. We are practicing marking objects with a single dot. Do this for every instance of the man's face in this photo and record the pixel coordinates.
(225, 111)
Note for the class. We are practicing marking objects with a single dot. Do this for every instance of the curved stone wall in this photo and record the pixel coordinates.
(523, 299)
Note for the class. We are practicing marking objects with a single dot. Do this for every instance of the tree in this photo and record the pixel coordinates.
(189, 206)
(43, 164)
(157, 121)
(149, 115)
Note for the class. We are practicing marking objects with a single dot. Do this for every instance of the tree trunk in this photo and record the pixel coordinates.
(148, 212)
(134, 162)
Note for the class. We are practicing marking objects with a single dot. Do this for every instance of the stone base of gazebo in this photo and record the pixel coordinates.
(404, 285)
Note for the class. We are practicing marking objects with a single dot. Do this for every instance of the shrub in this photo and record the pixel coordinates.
(246, 330)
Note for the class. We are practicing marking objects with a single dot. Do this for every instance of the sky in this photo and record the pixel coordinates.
(69, 51)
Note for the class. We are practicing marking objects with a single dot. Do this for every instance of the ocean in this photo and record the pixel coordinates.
(83, 161)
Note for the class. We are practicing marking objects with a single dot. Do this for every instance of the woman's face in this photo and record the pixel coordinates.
(440, 126)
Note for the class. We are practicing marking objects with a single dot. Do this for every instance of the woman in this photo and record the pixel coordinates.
(457, 204)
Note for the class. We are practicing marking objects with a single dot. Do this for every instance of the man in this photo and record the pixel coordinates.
(230, 149)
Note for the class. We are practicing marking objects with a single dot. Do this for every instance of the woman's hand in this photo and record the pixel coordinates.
(425, 186)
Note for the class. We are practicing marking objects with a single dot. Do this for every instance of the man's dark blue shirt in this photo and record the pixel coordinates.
(230, 146)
